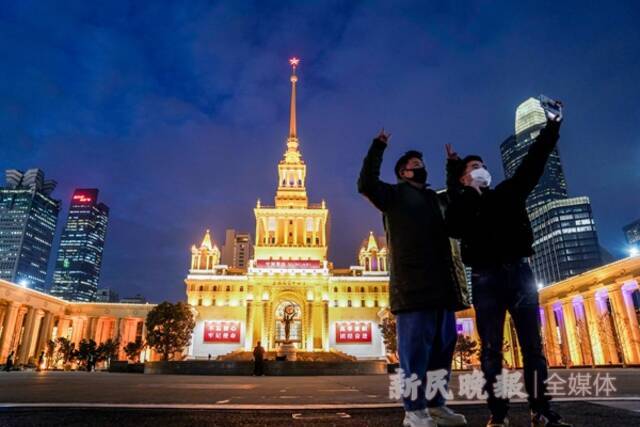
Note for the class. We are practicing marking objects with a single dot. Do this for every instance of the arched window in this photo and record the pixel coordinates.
(349, 303)
(201, 288)
(241, 288)
(228, 288)
(349, 289)
(375, 289)
(362, 289)
(215, 288)
(335, 289)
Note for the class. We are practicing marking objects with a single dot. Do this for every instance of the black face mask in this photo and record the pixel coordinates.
(419, 175)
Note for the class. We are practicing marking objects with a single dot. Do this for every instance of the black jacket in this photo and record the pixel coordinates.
(419, 248)
(494, 227)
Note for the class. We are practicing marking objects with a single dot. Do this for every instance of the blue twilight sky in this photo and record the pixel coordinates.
(177, 111)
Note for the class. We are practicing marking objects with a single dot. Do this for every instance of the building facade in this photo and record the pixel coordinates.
(77, 272)
(29, 319)
(565, 240)
(237, 249)
(334, 309)
(28, 218)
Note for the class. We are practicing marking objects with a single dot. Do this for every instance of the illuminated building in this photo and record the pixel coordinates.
(336, 308)
(30, 319)
(107, 295)
(77, 271)
(237, 249)
(565, 240)
(530, 119)
(565, 237)
(28, 217)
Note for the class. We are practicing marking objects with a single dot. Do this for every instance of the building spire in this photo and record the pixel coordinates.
(292, 120)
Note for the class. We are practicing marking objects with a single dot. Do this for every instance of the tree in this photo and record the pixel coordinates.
(86, 348)
(65, 350)
(389, 335)
(466, 349)
(50, 353)
(169, 328)
(133, 350)
(107, 350)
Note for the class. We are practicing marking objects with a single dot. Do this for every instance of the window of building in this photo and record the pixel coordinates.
(349, 289)
(201, 288)
(362, 304)
(199, 301)
(349, 303)
(228, 288)
(241, 288)
(375, 303)
(335, 289)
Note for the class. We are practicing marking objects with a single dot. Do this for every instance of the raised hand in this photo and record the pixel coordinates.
(451, 153)
(383, 136)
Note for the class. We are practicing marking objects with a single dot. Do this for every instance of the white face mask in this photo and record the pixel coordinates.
(481, 176)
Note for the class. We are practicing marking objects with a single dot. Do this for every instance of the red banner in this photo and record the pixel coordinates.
(289, 263)
(353, 332)
(222, 331)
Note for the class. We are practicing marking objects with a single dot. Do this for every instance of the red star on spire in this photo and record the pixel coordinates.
(294, 62)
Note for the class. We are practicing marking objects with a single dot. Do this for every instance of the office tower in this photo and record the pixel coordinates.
(565, 242)
(565, 237)
(28, 218)
(530, 119)
(107, 295)
(79, 260)
(237, 249)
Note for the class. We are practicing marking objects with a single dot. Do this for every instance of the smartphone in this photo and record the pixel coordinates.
(551, 107)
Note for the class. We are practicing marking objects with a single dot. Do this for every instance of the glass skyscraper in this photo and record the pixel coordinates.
(565, 238)
(28, 218)
(79, 260)
(530, 119)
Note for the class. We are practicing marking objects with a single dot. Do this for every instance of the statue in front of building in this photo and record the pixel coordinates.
(289, 313)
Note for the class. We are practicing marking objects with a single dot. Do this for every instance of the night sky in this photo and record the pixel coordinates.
(178, 111)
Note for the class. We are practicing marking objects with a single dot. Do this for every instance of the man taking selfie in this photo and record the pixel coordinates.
(421, 287)
(496, 240)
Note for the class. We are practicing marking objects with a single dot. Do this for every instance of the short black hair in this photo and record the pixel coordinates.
(402, 161)
(466, 161)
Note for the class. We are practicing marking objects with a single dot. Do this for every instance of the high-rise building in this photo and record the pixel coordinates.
(28, 218)
(77, 271)
(237, 249)
(107, 295)
(530, 119)
(565, 242)
(565, 238)
(632, 233)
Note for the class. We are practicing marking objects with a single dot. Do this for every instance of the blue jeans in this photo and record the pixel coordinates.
(496, 290)
(426, 341)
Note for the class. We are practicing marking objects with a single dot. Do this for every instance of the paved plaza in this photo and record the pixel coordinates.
(66, 398)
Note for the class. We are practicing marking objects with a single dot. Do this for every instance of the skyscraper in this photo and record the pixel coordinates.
(530, 119)
(28, 217)
(237, 249)
(79, 259)
(565, 238)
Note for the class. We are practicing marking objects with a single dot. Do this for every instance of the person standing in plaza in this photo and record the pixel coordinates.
(258, 360)
(9, 365)
(422, 290)
(496, 239)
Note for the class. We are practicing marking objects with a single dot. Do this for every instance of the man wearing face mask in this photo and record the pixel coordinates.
(421, 286)
(496, 240)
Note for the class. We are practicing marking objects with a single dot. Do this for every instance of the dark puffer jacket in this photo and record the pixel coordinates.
(419, 248)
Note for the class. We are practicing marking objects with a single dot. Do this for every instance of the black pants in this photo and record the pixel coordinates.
(258, 367)
(510, 287)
